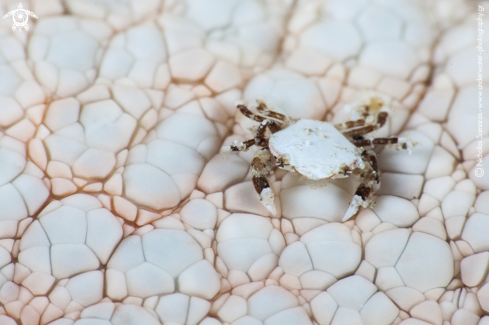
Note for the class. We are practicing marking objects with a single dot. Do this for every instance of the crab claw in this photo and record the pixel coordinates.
(356, 203)
(267, 199)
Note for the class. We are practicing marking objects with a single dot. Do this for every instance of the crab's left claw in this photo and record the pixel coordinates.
(267, 198)
(356, 203)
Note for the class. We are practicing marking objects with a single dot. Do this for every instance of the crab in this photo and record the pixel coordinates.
(317, 151)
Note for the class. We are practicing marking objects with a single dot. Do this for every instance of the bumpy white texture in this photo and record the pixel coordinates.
(21, 96)
(86, 103)
(22, 190)
(118, 15)
(327, 251)
(170, 255)
(66, 53)
(110, 313)
(86, 139)
(288, 93)
(273, 305)
(247, 230)
(137, 55)
(245, 33)
(162, 172)
(74, 224)
(353, 299)
(69, 241)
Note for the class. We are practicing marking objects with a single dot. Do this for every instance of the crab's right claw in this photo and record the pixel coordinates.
(267, 198)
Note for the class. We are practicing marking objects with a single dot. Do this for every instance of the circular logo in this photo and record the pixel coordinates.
(479, 172)
(20, 17)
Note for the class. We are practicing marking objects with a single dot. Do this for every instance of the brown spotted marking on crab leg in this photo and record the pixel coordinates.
(266, 194)
(350, 124)
(374, 106)
(249, 114)
(360, 199)
(260, 183)
(383, 141)
(374, 141)
(272, 125)
(263, 109)
(246, 145)
(260, 135)
(363, 191)
(260, 139)
(371, 158)
(381, 119)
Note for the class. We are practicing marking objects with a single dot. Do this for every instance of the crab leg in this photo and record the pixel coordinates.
(381, 119)
(349, 124)
(263, 109)
(237, 146)
(360, 199)
(260, 138)
(371, 157)
(374, 141)
(261, 165)
(249, 114)
(363, 111)
(266, 194)
(370, 181)
(272, 125)
(400, 142)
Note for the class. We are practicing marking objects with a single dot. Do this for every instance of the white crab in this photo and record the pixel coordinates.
(317, 150)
